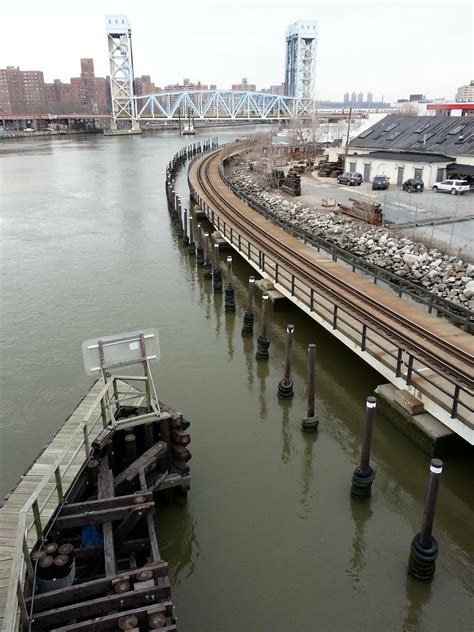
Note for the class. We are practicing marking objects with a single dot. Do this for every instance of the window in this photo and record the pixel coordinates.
(390, 127)
(418, 173)
(393, 136)
(365, 134)
(422, 128)
(457, 129)
(424, 138)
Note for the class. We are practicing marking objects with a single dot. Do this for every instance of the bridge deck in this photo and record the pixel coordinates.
(241, 224)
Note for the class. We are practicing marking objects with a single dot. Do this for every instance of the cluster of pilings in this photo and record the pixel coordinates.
(182, 216)
(424, 548)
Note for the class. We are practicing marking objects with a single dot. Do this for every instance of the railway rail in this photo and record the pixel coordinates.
(423, 342)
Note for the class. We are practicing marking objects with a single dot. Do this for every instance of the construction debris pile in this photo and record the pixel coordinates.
(365, 210)
(291, 183)
(444, 275)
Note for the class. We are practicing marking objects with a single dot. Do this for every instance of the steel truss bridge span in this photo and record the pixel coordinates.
(217, 105)
(414, 350)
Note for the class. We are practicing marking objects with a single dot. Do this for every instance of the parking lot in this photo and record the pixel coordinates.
(453, 215)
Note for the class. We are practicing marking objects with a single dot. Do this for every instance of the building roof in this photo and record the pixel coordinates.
(451, 135)
(409, 156)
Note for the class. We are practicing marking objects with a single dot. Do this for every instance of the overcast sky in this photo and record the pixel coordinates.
(389, 48)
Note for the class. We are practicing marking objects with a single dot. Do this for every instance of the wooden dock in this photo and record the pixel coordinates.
(99, 471)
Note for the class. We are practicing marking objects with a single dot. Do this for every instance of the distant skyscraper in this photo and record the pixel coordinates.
(370, 97)
(346, 97)
(360, 97)
(300, 71)
(353, 97)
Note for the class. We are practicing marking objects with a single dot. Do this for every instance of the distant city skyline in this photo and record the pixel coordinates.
(218, 43)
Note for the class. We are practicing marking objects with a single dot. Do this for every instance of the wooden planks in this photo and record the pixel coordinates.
(30, 481)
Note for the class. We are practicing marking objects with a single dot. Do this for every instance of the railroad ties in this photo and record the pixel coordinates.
(99, 566)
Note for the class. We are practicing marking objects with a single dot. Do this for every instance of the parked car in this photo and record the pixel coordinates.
(380, 182)
(455, 187)
(28, 129)
(350, 178)
(413, 185)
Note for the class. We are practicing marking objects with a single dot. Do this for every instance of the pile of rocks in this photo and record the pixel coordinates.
(446, 276)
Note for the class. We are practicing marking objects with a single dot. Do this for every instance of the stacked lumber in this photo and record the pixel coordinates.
(327, 169)
(292, 183)
(365, 210)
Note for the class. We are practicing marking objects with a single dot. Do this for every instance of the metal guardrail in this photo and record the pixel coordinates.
(402, 362)
(100, 410)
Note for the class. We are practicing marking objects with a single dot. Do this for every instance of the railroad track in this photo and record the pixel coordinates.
(426, 345)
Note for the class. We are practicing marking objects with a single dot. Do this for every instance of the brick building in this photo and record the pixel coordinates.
(89, 94)
(22, 91)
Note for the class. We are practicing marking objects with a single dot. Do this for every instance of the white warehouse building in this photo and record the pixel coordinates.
(400, 147)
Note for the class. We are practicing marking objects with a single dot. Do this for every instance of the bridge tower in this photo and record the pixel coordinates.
(119, 38)
(300, 71)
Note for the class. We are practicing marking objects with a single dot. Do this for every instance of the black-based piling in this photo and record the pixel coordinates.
(199, 248)
(364, 475)
(229, 297)
(217, 274)
(247, 328)
(207, 261)
(424, 547)
(262, 341)
(191, 245)
(311, 421)
(285, 385)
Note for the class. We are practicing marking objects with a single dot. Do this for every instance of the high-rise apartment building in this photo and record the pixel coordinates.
(370, 97)
(22, 91)
(353, 97)
(346, 97)
(88, 92)
(360, 97)
(300, 70)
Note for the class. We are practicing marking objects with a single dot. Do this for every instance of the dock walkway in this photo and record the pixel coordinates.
(63, 457)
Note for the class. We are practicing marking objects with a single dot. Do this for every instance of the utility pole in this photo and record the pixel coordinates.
(347, 138)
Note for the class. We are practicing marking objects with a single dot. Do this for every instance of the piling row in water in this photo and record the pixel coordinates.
(424, 547)
(182, 216)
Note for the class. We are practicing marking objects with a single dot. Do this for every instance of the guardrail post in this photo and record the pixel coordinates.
(292, 285)
(364, 337)
(59, 484)
(87, 447)
(311, 301)
(26, 555)
(103, 413)
(409, 369)
(454, 408)
(25, 620)
(399, 362)
(334, 318)
(37, 519)
(276, 272)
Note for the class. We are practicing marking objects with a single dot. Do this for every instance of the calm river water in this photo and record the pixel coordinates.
(268, 539)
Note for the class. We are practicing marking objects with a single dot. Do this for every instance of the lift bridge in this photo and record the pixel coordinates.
(216, 105)
(202, 105)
